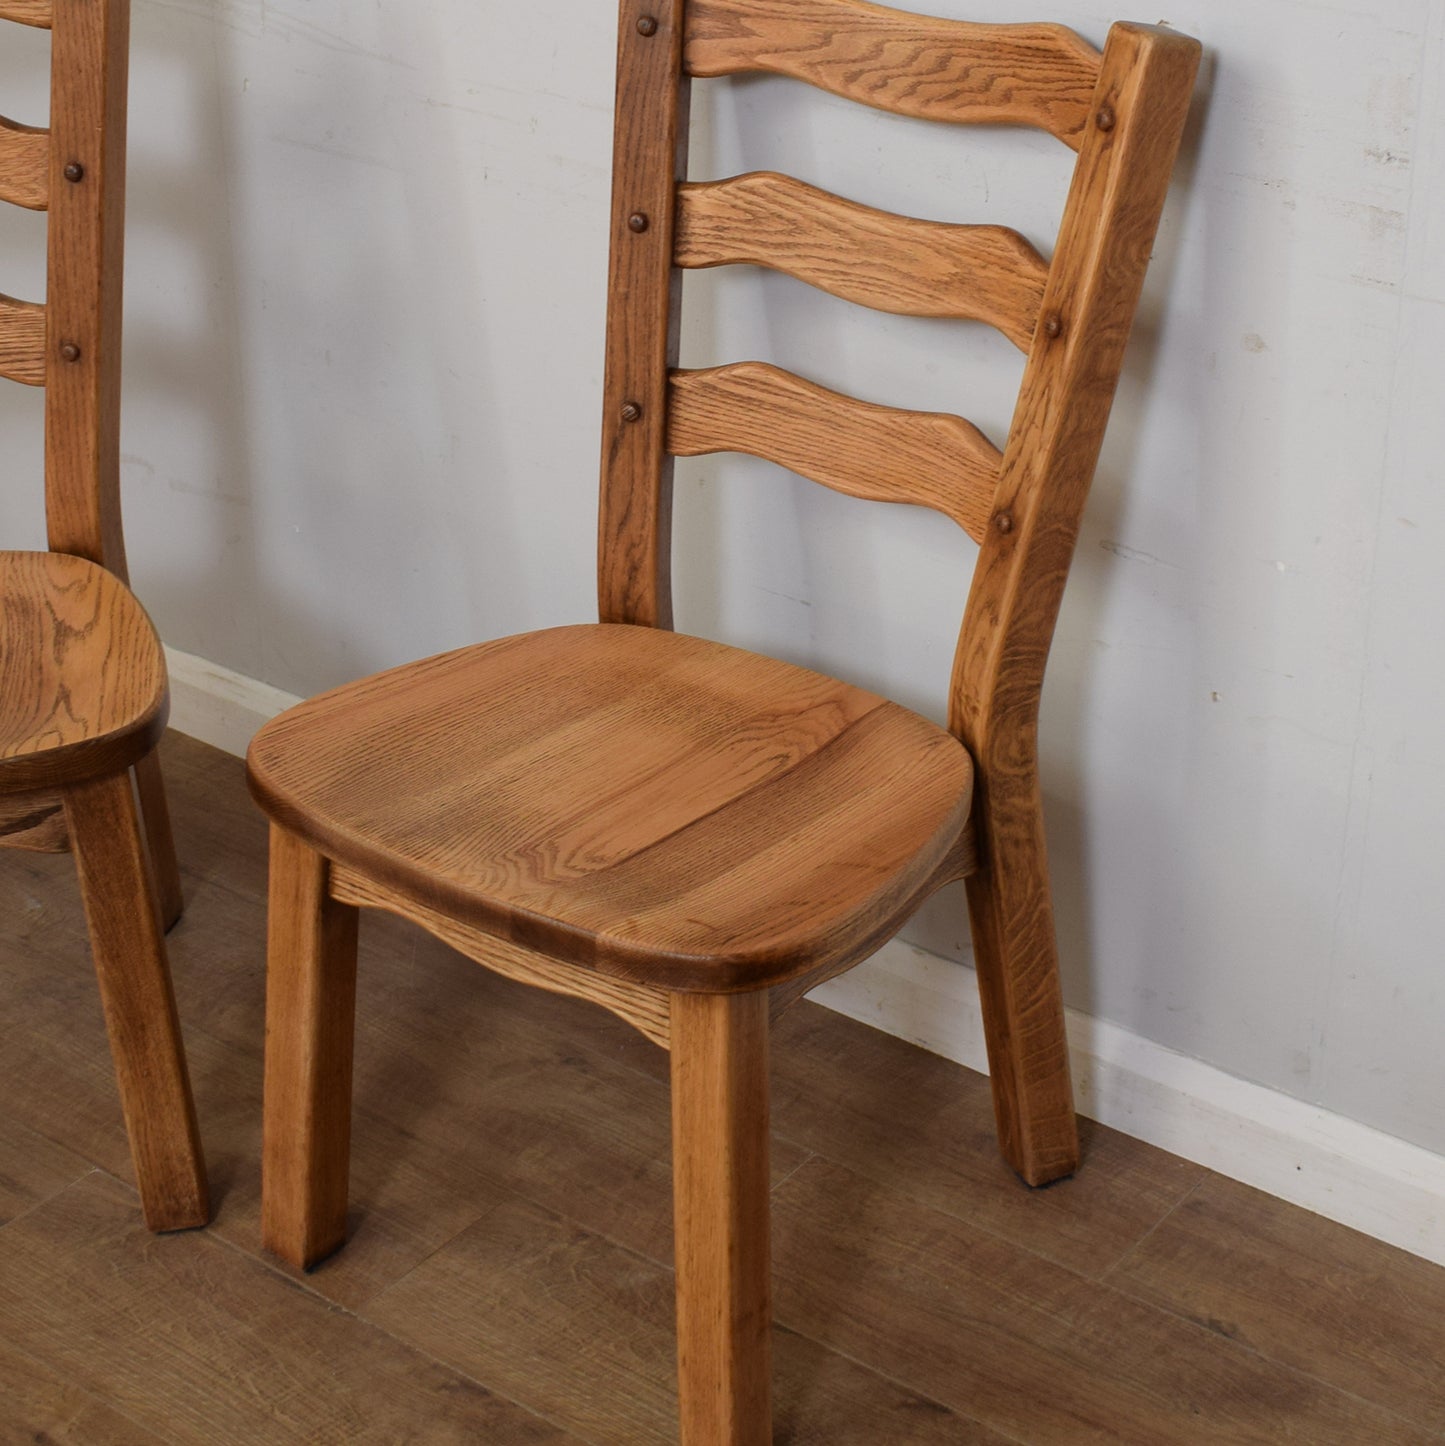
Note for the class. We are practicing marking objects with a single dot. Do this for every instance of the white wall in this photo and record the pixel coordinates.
(366, 269)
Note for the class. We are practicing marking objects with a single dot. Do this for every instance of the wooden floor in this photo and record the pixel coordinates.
(508, 1278)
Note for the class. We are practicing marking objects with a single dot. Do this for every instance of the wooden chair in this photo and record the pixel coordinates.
(689, 834)
(83, 693)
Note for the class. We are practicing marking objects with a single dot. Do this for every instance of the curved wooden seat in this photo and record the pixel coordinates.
(82, 675)
(651, 805)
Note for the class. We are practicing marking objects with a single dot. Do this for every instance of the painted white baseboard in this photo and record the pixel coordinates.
(218, 706)
(1336, 1167)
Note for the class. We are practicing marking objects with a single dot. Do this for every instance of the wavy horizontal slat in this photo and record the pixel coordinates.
(931, 459)
(22, 341)
(27, 12)
(949, 70)
(892, 263)
(24, 164)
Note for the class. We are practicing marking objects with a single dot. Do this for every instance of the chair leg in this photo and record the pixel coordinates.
(151, 788)
(310, 1030)
(720, 1190)
(140, 1007)
(1018, 978)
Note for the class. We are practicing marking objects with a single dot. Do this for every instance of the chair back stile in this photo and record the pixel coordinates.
(70, 344)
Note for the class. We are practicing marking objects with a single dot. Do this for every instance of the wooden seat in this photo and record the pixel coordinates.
(83, 691)
(82, 677)
(624, 813)
(687, 834)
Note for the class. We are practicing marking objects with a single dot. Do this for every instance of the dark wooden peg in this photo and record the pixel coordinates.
(1053, 324)
(73, 171)
(70, 351)
(1105, 118)
(1004, 521)
(647, 26)
(631, 412)
(637, 222)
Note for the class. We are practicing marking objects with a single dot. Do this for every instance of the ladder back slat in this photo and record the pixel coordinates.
(883, 454)
(24, 165)
(22, 341)
(916, 65)
(891, 263)
(27, 12)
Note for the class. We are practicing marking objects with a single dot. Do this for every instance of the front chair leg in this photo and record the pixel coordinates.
(140, 1008)
(310, 1029)
(720, 1193)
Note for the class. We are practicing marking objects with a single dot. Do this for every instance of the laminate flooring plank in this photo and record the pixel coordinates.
(455, 1059)
(581, 1329)
(925, 1127)
(1302, 1290)
(41, 1405)
(837, 1087)
(220, 834)
(200, 1343)
(1024, 1344)
(407, 1199)
(59, 1082)
(32, 1168)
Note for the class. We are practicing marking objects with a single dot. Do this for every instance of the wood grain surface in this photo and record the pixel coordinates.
(1038, 1352)
(891, 263)
(200, 1343)
(140, 1010)
(634, 524)
(82, 676)
(510, 1260)
(310, 1028)
(1301, 1289)
(946, 70)
(34, 821)
(1110, 217)
(613, 800)
(150, 791)
(884, 454)
(643, 1006)
(720, 1200)
(85, 269)
(688, 817)
(22, 341)
(27, 12)
(83, 693)
(24, 164)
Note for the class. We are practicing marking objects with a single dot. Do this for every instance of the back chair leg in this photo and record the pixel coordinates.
(156, 815)
(720, 1191)
(1018, 978)
(310, 1031)
(140, 1007)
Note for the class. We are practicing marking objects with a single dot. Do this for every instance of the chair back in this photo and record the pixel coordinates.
(1121, 110)
(75, 170)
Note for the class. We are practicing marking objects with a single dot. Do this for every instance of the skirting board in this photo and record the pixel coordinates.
(1336, 1167)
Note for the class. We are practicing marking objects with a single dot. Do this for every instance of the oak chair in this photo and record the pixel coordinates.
(693, 835)
(83, 690)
